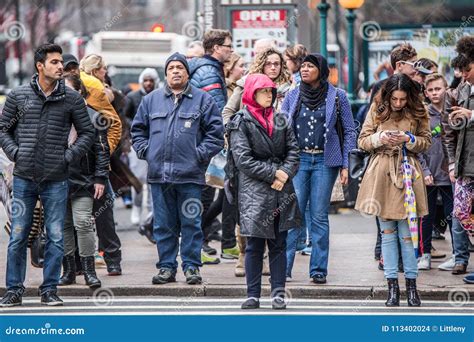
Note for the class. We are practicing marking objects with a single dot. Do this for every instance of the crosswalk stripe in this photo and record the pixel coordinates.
(225, 300)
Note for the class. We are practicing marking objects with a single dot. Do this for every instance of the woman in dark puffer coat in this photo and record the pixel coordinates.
(265, 153)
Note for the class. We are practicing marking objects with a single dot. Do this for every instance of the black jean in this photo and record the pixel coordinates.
(207, 198)
(254, 263)
(229, 219)
(109, 242)
(426, 229)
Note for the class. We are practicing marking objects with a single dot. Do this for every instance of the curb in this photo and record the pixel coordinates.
(239, 291)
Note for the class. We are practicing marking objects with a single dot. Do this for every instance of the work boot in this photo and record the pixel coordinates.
(165, 275)
(193, 276)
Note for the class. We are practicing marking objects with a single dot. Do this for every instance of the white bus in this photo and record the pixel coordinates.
(128, 53)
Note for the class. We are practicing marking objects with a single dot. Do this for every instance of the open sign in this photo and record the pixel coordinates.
(263, 15)
(259, 19)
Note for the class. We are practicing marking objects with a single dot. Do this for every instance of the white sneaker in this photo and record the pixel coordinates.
(135, 215)
(448, 265)
(425, 262)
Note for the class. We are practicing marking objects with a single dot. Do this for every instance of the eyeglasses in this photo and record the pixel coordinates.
(409, 63)
(227, 46)
(274, 64)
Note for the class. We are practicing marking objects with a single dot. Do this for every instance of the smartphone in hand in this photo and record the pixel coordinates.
(393, 133)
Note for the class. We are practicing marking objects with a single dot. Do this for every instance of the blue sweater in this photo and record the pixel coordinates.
(333, 156)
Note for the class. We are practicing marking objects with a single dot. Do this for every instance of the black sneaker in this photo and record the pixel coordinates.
(319, 279)
(147, 231)
(193, 276)
(165, 275)
(208, 249)
(250, 303)
(11, 298)
(50, 298)
(278, 303)
(114, 270)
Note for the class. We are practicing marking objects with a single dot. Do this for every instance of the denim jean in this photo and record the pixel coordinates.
(177, 210)
(313, 182)
(399, 235)
(54, 199)
(460, 243)
(303, 238)
(277, 259)
(426, 229)
(296, 237)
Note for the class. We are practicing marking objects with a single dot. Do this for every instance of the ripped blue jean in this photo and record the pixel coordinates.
(394, 233)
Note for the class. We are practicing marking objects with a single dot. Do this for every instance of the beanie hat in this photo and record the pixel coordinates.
(69, 59)
(178, 57)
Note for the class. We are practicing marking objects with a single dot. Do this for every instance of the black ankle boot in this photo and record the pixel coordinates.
(393, 293)
(88, 267)
(69, 271)
(413, 297)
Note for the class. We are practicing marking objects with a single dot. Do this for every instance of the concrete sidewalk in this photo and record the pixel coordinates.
(353, 271)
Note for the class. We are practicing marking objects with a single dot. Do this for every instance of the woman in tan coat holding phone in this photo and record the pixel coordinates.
(397, 119)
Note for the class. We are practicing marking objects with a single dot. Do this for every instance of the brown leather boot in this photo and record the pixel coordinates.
(240, 266)
(242, 243)
(265, 268)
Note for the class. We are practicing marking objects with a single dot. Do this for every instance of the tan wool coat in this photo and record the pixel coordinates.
(382, 190)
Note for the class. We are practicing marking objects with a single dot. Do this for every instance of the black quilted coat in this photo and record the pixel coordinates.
(257, 157)
(34, 131)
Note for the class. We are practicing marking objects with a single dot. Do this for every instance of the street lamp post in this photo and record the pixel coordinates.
(351, 17)
(18, 45)
(323, 8)
(351, 6)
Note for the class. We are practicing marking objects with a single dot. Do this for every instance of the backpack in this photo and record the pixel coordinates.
(231, 171)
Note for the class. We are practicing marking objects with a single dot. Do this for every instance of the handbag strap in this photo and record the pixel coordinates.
(339, 121)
